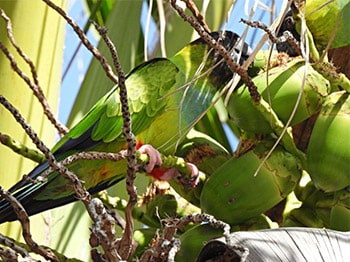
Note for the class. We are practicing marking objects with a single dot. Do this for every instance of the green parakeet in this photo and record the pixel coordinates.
(166, 98)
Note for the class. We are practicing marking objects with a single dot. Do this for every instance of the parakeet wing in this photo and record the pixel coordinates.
(146, 84)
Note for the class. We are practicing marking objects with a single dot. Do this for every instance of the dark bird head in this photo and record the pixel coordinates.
(288, 25)
(239, 50)
(198, 52)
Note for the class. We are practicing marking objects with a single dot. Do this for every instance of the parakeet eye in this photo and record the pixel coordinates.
(289, 22)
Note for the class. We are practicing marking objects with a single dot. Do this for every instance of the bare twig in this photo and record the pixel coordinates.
(175, 245)
(198, 219)
(104, 229)
(262, 26)
(87, 156)
(161, 249)
(24, 220)
(35, 86)
(193, 8)
(97, 54)
(125, 246)
(285, 37)
(8, 255)
(17, 249)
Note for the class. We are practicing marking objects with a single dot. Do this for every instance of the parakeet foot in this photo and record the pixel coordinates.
(166, 174)
(194, 179)
(173, 173)
(155, 159)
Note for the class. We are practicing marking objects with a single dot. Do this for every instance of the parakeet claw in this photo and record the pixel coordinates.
(174, 173)
(155, 159)
(193, 181)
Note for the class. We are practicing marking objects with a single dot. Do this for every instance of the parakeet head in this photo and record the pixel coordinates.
(239, 50)
(288, 25)
(199, 58)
